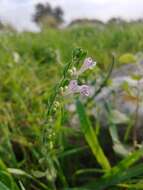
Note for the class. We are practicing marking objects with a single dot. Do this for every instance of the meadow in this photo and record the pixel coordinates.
(44, 145)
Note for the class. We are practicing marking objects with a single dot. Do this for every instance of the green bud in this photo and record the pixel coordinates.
(51, 145)
(56, 104)
(61, 90)
(74, 70)
(66, 88)
(54, 109)
(70, 71)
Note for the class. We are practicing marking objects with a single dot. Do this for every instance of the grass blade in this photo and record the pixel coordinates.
(91, 137)
(120, 172)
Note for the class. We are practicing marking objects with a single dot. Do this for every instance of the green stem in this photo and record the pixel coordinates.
(58, 87)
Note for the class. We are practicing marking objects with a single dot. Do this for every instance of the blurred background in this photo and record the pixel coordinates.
(28, 14)
(95, 142)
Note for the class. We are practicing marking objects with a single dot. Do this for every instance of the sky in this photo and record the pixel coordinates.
(19, 12)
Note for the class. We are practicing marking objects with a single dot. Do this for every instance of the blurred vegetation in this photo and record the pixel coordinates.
(127, 58)
(71, 157)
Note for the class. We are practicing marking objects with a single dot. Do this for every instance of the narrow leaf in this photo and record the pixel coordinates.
(91, 137)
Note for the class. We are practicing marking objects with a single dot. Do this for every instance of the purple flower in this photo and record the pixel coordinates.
(84, 90)
(88, 64)
(73, 88)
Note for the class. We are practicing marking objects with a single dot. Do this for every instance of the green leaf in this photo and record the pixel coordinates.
(79, 53)
(127, 58)
(88, 170)
(119, 177)
(21, 185)
(118, 117)
(91, 137)
(72, 151)
(38, 174)
(3, 186)
(118, 147)
(6, 178)
(114, 118)
(18, 172)
(121, 172)
(133, 186)
(2, 165)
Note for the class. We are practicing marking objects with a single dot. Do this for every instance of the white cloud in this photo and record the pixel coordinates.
(102, 9)
(18, 12)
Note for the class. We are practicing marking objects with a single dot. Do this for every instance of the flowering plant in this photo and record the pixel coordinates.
(73, 86)
(69, 82)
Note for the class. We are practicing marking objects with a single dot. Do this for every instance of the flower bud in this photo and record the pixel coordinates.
(56, 104)
(70, 71)
(51, 145)
(88, 64)
(74, 70)
(61, 90)
(66, 88)
(54, 109)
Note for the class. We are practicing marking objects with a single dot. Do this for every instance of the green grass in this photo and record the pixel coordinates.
(42, 153)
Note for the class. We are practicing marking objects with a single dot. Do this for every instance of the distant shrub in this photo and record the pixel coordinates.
(44, 54)
(127, 58)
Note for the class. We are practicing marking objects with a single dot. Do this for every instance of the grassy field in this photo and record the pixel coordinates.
(40, 148)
